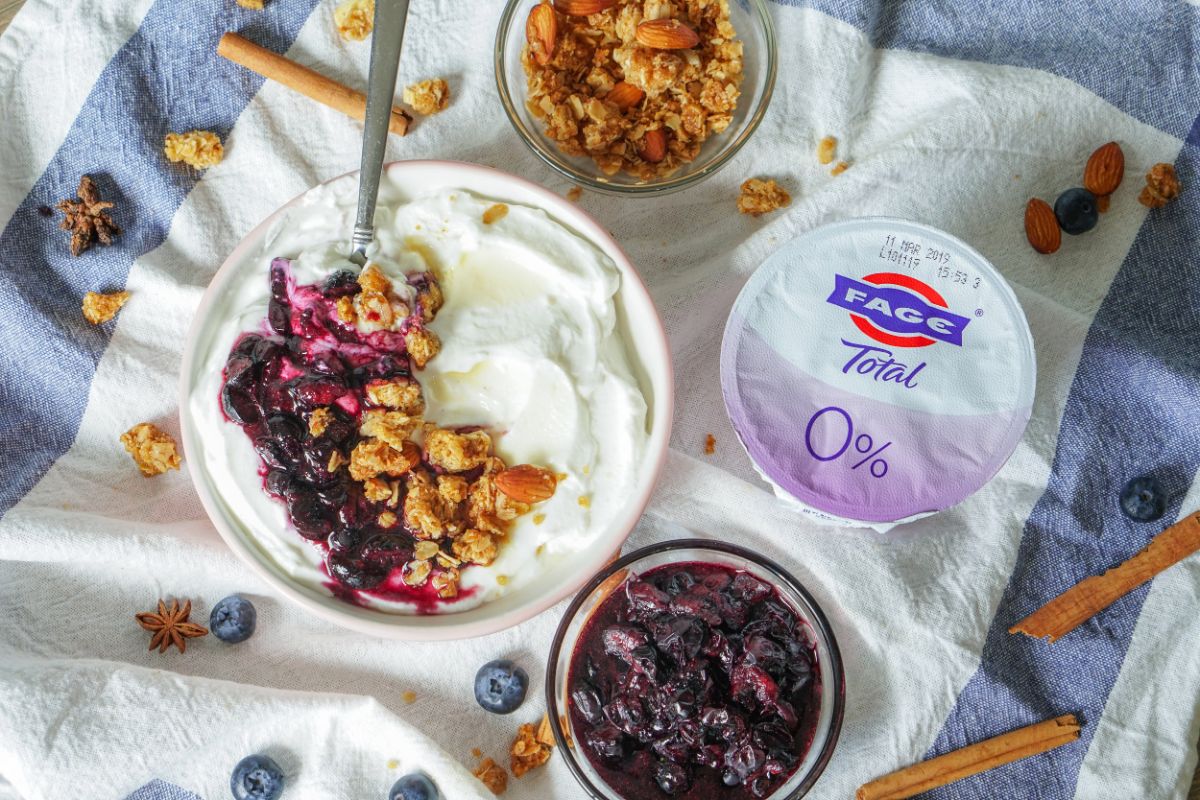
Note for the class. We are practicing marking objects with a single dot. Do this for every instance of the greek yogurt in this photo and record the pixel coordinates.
(531, 351)
(877, 371)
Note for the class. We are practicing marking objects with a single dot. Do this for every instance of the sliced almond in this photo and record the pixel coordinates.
(625, 96)
(654, 146)
(541, 31)
(666, 34)
(1041, 226)
(526, 483)
(1104, 170)
(583, 8)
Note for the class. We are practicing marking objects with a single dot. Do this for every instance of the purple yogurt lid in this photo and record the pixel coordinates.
(877, 370)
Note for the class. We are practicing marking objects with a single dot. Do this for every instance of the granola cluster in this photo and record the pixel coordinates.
(760, 197)
(428, 97)
(199, 149)
(153, 450)
(355, 19)
(447, 487)
(638, 86)
(100, 308)
(1162, 186)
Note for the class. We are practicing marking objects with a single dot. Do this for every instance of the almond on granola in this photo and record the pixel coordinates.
(152, 449)
(456, 452)
(100, 308)
(428, 97)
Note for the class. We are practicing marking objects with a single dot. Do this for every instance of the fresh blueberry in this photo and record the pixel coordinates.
(500, 686)
(1076, 211)
(232, 619)
(1143, 499)
(414, 786)
(256, 777)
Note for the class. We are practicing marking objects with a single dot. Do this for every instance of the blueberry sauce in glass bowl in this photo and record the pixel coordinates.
(695, 670)
(304, 359)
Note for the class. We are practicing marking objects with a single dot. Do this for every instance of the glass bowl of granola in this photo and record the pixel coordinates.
(635, 96)
(446, 441)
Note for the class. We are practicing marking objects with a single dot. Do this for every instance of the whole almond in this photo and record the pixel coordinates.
(1041, 226)
(1104, 170)
(625, 95)
(583, 8)
(666, 34)
(526, 483)
(541, 31)
(654, 146)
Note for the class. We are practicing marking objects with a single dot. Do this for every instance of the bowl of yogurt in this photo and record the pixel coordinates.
(447, 441)
(877, 371)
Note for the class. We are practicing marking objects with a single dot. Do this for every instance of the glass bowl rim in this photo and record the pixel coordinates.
(659, 187)
(820, 623)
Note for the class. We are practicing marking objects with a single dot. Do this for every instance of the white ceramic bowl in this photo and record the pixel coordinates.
(647, 344)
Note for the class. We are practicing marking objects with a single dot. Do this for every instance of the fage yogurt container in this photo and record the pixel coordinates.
(877, 371)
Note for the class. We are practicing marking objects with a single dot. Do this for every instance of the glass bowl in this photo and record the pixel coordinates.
(754, 27)
(831, 679)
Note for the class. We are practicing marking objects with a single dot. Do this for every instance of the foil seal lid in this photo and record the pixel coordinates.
(877, 370)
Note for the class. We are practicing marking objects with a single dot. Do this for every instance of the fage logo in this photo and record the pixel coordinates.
(898, 310)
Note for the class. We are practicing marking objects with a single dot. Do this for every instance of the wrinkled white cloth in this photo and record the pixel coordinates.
(85, 711)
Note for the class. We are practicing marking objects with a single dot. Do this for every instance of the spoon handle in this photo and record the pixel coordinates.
(390, 18)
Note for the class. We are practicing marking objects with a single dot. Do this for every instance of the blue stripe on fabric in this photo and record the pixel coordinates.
(1139, 55)
(161, 790)
(1132, 410)
(166, 77)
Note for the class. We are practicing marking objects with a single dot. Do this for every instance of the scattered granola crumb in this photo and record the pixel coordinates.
(409, 697)
(759, 196)
(495, 213)
(355, 19)
(393, 764)
(423, 344)
(87, 217)
(710, 444)
(428, 97)
(527, 753)
(545, 734)
(826, 148)
(574, 193)
(538, 519)
(199, 149)
(100, 308)
(319, 420)
(153, 450)
(253, 5)
(492, 775)
(839, 168)
(1103, 202)
(1162, 186)
(476, 752)
(585, 501)
(502, 580)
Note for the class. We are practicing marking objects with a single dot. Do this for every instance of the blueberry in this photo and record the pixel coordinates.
(414, 786)
(233, 619)
(256, 777)
(1076, 211)
(1143, 499)
(500, 686)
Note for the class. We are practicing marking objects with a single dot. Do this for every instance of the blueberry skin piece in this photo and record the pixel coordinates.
(500, 686)
(1076, 211)
(414, 786)
(256, 777)
(233, 619)
(1143, 499)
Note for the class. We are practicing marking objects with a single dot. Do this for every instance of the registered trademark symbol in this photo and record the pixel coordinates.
(979, 312)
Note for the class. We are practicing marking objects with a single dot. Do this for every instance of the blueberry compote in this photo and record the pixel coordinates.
(694, 681)
(306, 358)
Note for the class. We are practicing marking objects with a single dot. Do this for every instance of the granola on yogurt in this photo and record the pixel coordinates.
(638, 86)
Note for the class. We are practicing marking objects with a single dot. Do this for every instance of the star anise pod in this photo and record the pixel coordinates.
(170, 626)
(87, 217)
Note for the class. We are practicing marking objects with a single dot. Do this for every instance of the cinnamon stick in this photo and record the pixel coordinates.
(971, 760)
(1092, 595)
(299, 78)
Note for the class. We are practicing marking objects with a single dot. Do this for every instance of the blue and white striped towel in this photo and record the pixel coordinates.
(953, 113)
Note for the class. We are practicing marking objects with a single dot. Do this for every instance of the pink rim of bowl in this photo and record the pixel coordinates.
(651, 357)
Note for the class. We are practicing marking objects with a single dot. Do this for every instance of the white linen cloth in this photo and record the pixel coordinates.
(85, 711)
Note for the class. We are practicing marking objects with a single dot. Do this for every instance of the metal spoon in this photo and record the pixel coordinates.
(390, 19)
